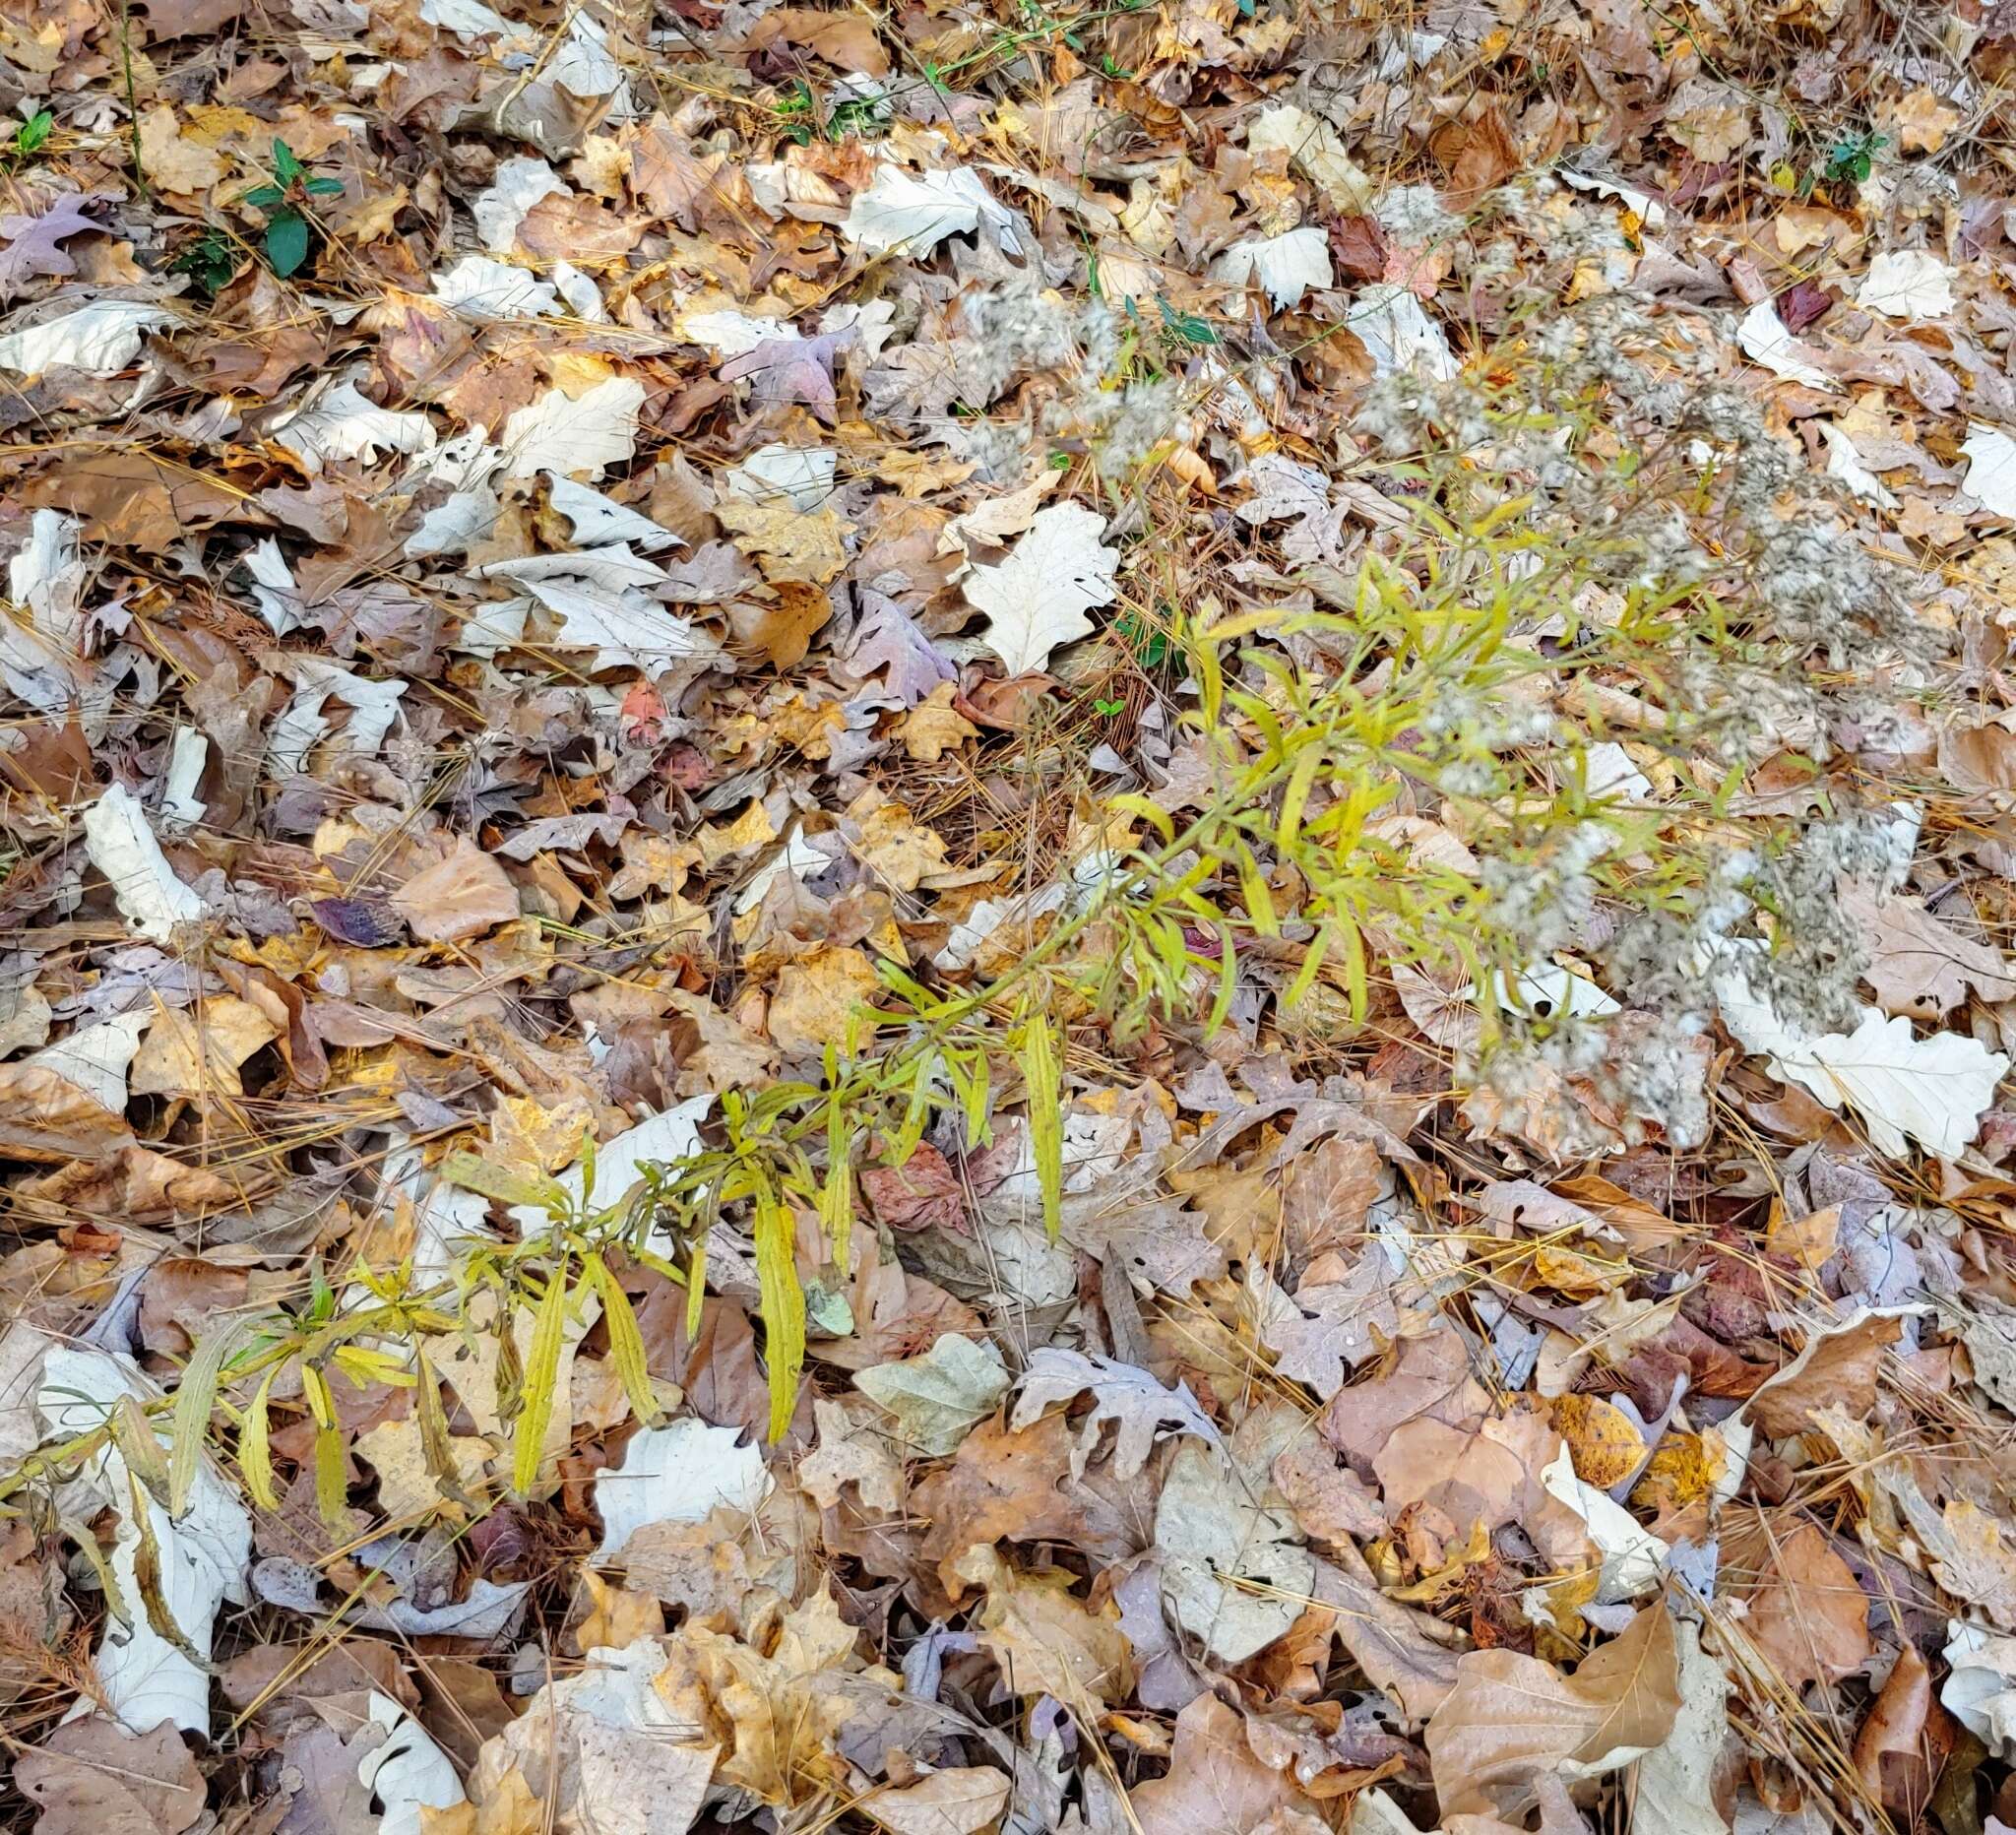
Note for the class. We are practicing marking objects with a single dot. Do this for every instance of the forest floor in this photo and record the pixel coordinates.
(961, 918)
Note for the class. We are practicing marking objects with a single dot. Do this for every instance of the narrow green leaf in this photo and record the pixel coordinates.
(194, 1400)
(784, 1307)
(626, 1341)
(541, 1381)
(254, 1450)
(1042, 1080)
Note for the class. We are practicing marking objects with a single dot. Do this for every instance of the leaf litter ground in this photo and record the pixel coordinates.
(1043, 922)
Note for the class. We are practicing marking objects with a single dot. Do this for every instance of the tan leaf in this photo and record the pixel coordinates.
(197, 1053)
(1214, 1786)
(173, 163)
(959, 1801)
(934, 728)
(1043, 1639)
(814, 998)
(1511, 1719)
(92, 1777)
(1918, 966)
(786, 542)
(460, 897)
(1890, 1752)
(1835, 1368)
(1808, 1620)
(850, 1453)
(782, 631)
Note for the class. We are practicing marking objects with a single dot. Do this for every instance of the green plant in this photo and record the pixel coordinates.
(32, 136)
(1852, 158)
(211, 259)
(285, 202)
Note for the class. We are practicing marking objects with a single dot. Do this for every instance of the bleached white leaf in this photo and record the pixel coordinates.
(456, 524)
(405, 1770)
(188, 753)
(1764, 339)
(1317, 150)
(917, 211)
(1038, 597)
(373, 708)
(519, 184)
(345, 426)
(494, 290)
(1398, 333)
(1139, 1408)
(1610, 773)
(96, 340)
(1991, 468)
(1933, 1090)
(801, 476)
(1287, 265)
(467, 19)
(583, 65)
(562, 436)
(1674, 1789)
(144, 1679)
(1980, 1691)
(1907, 284)
(274, 590)
(620, 627)
(45, 579)
(96, 1058)
(798, 858)
(584, 298)
(1648, 209)
(677, 1474)
(1631, 1556)
(1548, 990)
(731, 333)
(40, 654)
(122, 845)
(1845, 463)
(1232, 1571)
(872, 322)
(611, 568)
(598, 519)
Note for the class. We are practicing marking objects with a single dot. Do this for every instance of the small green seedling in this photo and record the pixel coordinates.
(211, 259)
(1853, 158)
(32, 135)
(1108, 710)
(285, 202)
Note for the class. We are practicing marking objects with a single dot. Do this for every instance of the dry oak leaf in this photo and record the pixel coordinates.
(136, 1185)
(197, 1054)
(1808, 1620)
(1919, 966)
(814, 998)
(934, 727)
(850, 1452)
(1890, 1750)
(959, 1802)
(1214, 1785)
(1837, 1367)
(1038, 597)
(457, 897)
(1044, 1640)
(786, 542)
(1512, 1720)
(92, 1777)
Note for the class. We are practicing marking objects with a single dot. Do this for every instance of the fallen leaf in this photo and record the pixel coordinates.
(459, 897)
(1511, 1720)
(1038, 597)
(941, 1393)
